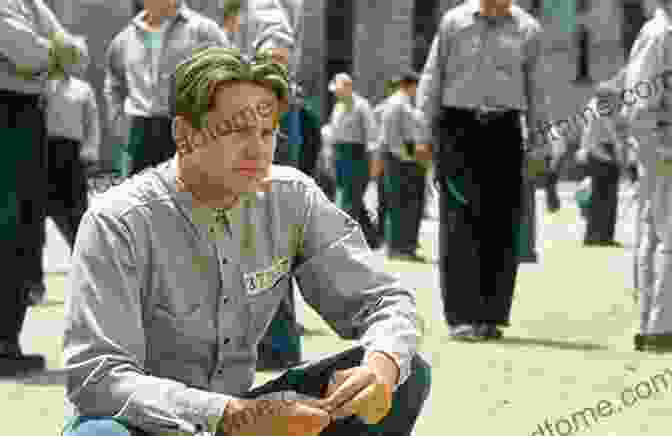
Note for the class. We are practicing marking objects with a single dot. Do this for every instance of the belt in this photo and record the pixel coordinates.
(485, 113)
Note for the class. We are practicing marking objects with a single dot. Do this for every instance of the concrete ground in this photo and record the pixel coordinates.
(567, 353)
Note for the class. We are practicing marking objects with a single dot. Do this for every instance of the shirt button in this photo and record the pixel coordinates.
(226, 341)
(225, 299)
(220, 371)
(224, 261)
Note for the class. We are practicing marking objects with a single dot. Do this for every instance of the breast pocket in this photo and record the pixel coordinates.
(263, 305)
(510, 54)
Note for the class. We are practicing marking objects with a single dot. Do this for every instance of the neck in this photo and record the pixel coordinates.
(204, 193)
(493, 10)
(155, 18)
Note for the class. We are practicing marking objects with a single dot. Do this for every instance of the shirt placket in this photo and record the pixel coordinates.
(488, 63)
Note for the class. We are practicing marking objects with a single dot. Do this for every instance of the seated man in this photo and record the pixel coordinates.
(177, 272)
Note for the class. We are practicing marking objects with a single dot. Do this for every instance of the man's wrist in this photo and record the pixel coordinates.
(386, 365)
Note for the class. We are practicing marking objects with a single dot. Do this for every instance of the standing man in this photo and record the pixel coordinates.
(231, 18)
(404, 178)
(651, 122)
(353, 133)
(140, 61)
(33, 47)
(481, 77)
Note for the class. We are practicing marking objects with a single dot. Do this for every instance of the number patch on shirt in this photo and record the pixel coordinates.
(259, 281)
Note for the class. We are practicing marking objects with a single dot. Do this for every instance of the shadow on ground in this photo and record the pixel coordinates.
(548, 343)
(55, 377)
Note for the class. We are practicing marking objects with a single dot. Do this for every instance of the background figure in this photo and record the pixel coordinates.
(27, 57)
(354, 133)
(606, 152)
(650, 122)
(73, 128)
(137, 97)
(481, 204)
(404, 177)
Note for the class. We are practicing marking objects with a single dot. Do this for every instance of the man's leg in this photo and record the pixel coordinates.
(660, 317)
(103, 426)
(407, 403)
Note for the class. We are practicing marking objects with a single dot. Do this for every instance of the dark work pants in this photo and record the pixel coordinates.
(405, 190)
(66, 188)
(407, 403)
(478, 262)
(352, 178)
(151, 142)
(23, 130)
(603, 210)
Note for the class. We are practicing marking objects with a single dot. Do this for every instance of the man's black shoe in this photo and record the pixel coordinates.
(13, 363)
(489, 332)
(464, 333)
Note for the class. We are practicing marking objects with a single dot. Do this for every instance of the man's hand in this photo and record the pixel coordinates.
(272, 417)
(280, 55)
(376, 167)
(365, 391)
(423, 152)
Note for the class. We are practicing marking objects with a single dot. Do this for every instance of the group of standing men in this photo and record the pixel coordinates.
(45, 170)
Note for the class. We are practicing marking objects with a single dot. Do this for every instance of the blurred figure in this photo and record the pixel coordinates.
(231, 18)
(605, 151)
(474, 107)
(650, 120)
(73, 128)
(353, 133)
(140, 62)
(404, 178)
(33, 47)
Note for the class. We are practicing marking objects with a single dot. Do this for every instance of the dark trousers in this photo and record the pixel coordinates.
(405, 198)
(603, 210)
(352, 178)
(407, 404)
(478, 261)
(151, 142)
(66, 189)
(23, 129)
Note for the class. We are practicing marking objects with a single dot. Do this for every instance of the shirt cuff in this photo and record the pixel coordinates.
(277, 41)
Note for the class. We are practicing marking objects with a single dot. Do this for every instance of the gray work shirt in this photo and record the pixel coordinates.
(265, 24)
(25, 27)
(166, 309)
(477, 61)
(398, 125)
(648, 101)
(72, 112)
(354, 126)
(133, 86)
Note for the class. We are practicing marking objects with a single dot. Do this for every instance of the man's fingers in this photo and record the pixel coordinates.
(305, 419)
(348, 389)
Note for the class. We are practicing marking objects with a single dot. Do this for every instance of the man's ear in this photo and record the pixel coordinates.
(183, 133)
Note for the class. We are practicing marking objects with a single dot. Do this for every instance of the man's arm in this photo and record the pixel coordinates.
(339, 279)
(115, 89)
(533, 87)
(104, 338)
(214, 34)
(19, 41)
(274, 29)
(91, 144)
(430, 88)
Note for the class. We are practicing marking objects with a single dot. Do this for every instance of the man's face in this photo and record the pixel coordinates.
(159, 6)
(240, 155)
(343, 88)
(232, 23)
(411, 88)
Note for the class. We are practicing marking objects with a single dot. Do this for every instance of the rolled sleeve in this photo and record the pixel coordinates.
(91, 143)
(20, 43)
(533, 73)
(104, 338)
(274, 28)
(115, 88)
(428, 98)
(359, 300)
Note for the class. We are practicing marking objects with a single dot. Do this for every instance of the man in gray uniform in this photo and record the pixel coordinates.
(177, 273)
(404, 177)
(481, 77)
(648, 112)
(29, 53)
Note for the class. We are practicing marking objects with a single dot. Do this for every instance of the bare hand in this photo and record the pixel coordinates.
(376, 168)
(358, 391)
(272, 417)
(423, 152)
